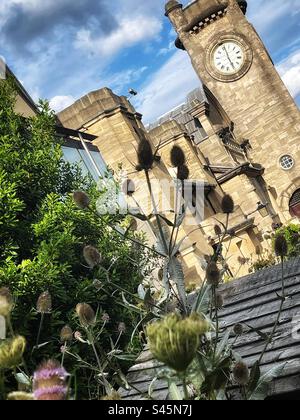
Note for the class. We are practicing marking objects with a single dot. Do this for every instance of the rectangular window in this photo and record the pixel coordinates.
(76, 155)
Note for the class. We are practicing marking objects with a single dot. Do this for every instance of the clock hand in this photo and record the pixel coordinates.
(229, 59)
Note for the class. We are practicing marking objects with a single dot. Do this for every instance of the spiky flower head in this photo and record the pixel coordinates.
(92, 256)
(241, 374)
(281, 246)
(44, 303)
(218, 230)
(66, 334)
(177, 156)
(11, 352)
(128, 187)
(50, 382)
(183, 173)
(213, 274)
(86, 314)
(174, 341)
(81, 199)
(227, 204)
(6, 302)
(133, 226)
(20, 396)
(145, 155)
(105, 317)
(114, 396)
(219, 301)
(122, 327)
(238, 329)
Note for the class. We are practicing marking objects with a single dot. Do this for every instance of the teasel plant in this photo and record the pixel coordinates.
(202, 366)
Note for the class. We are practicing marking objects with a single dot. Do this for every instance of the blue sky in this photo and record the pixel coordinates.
(61, 50)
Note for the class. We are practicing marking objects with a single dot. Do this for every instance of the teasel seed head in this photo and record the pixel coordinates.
(66, 334)
(160, 274)
(145, 155)
(133, 226)
(241, 374)
(122, 327)
(105, 317)
(213, 274)
(219, 301)
(177, 157)
(11, 352)
(114, 396)
(281, 246)
(92, 256)
(128, 187)
(85, 314)
(238, 329)
(174, 340)
(44, 303)
(227, 204)
(81, 199)
(20, 396)
(6, 301)
(50, 382)
(183, 173)
(218, 230)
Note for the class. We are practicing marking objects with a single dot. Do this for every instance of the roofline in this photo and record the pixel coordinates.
(22, 90)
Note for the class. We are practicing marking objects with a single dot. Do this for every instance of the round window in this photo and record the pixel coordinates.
(286, 162)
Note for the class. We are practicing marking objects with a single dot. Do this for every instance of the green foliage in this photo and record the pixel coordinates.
(43, 235)
(292, 235)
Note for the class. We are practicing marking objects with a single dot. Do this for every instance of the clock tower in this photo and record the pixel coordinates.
(232, 62)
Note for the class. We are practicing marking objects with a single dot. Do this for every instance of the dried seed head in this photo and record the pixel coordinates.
(177, 156)
(218, 230)
(238, 329)
(281, 246)
(111, 397)
(92, 256)
(66, 334)
(145, 155)
(241, 374)
(227, 204)
(44, 303)
(105, 317)
(11, 352)
(219, 301)
(160, 274)
(183, 173)
(85, 314)
(20, 396)
(213, 274)
(81, 199)
(133, 226)
(50, 382)
(128, 187)
(78, 335)
(122, 327)
(6, 302)
(97, 284)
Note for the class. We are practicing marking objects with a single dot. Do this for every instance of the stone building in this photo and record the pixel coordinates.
(240, 132)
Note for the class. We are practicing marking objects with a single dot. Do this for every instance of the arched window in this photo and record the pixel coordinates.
(295, 204)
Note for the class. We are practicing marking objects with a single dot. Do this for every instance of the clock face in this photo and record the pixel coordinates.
(228, 57)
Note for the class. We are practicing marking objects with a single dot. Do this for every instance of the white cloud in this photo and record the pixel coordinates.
(289, 69)
(58, 103)
(131, 31)
(168, 87)
(119, 81)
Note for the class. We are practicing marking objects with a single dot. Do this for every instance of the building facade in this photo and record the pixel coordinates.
(240, 132)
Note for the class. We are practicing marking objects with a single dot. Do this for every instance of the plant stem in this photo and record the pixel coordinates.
(40, 329)
(185, 388)
(279, 313)
(217, 321)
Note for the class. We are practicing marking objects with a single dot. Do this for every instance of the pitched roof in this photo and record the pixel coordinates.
(252, 300)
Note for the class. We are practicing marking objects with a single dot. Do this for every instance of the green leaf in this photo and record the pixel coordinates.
(223, 343)
(174, 392)
(202, 302)
(254, 377)
(177, 275)
(262, 335)
(261, 391)
(167, 221)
